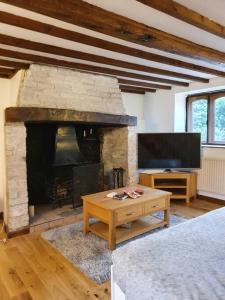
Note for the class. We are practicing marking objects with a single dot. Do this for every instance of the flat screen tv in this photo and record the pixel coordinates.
(169, 150)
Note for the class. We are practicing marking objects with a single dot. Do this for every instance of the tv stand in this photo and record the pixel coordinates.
(182, 185)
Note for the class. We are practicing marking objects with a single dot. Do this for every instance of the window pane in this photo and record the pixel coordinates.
(199, 117)
(219, 111)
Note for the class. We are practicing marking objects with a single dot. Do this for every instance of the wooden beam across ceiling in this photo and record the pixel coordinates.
(132, 91)
(13, 64)
(135, 88)
(6, 71)
(86, 15)
(4, 76)
(85, 67)
(187, 15)
(46, 48)
(143, 84)
(52, 30)
(96, 42)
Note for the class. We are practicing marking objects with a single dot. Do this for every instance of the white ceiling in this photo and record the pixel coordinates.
(137, 11)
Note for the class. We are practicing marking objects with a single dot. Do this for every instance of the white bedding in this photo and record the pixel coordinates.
(184, 262)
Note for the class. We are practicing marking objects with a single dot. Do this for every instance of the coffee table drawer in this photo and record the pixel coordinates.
(126, 214)
(155, 205)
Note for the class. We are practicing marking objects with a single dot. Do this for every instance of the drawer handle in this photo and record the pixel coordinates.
(130, 214)
(156, 205)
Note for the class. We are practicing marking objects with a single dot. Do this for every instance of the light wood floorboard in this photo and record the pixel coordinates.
(31, 269)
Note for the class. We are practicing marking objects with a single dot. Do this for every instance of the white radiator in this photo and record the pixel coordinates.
(211, 177)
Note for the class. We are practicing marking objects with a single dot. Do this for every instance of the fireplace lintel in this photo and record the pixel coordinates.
(34, 114)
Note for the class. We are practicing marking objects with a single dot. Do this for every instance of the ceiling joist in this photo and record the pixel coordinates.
(187, 15)
(4, 76)
(31, 45)
(80, 66)
(7, 73)
(135, 88)
(109, 23)
(55, 31)
(143, 84)
(6, 70)
(13, 64)
(132, 91)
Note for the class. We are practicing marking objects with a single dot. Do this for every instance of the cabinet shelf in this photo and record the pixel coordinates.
(159, 186)
(181, 185)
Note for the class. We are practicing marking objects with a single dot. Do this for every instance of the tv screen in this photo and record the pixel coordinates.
(169, 150)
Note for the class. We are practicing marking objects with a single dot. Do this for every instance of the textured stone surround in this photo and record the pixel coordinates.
(53, 87)
(16, 175)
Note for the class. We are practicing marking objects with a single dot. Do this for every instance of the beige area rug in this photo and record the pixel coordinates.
(89, 252)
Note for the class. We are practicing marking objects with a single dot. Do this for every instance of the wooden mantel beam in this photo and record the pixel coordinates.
(46, 48)
(86, 15)
(85, 67)
(66, 34)
(187, 15)
(30, 114)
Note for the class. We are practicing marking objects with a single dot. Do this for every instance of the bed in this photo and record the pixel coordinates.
(184, 262)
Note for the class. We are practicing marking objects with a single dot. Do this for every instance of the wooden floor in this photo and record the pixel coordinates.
(32, 269)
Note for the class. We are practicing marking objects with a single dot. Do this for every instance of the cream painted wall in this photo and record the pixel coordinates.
(4, 100)
(159, 111)
(8, 97)
(134, 106)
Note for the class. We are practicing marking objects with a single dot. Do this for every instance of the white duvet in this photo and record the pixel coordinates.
(184, 262)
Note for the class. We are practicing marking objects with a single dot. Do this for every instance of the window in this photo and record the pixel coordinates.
(206, 114)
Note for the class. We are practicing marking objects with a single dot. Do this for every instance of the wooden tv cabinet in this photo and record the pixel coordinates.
(182, 185)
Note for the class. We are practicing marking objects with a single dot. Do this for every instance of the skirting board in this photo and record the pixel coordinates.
(211, 199)
(12, 234)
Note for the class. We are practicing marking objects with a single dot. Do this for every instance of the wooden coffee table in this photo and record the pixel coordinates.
(112, 213)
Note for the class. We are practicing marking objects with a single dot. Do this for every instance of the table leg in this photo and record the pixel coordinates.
(112, 234)
(85, 220)
(167, 214)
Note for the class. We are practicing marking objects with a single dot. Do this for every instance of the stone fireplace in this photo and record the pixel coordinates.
(52, 97)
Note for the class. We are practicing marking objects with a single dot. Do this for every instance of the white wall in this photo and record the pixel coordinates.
(159, 111)
(4, 100)
(134, 106)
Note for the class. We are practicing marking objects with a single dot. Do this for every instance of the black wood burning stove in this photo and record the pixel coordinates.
(63, 163)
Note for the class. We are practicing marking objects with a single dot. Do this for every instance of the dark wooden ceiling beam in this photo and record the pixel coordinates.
(52, 30)
(13, 64)
(80, 66)
(5, 76)
(46, 48)
(143, 84)
(86, 15)
(132, 91)
(187, 15)
(135, 88)
(6, 71)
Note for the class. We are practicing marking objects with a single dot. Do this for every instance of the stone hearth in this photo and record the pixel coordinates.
(51, 94)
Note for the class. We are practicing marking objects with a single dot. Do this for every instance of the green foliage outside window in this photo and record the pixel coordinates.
(206, 114)
(220, 120)
(199, 118)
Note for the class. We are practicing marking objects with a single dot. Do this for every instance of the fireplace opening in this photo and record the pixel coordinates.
(63, 163)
